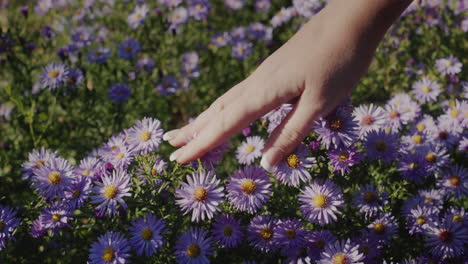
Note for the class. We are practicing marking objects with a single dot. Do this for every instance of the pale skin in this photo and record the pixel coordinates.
(317, 69)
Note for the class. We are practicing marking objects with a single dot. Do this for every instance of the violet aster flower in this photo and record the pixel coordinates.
(338, 129)
(37, 228)
(250, 149)
(414, 167)
(383, 228)
(320, 240)
(178, 17)
(75, 78)
(277, 115)
(145, 136)
(189, 65)
(52, 179)
(56, 217)
(118, 154)
(262, 5)
(436, 156)
(420, 218)
(449, 66)
(368, 200)
(446, 239)
(341, 252)
(193, 247)
(111, 248)
(306, 8)
(456, 215)
(146, 64)
(454, 181)
(413, 141)
(199, 9)
(234, 4)
(78, 192)
(258, 31)
(289, 234)
(129, 49)
(201, 196)
(261, 233)
(381, 145)
(283, 16)
(369, 247)
(369, 117)
(87, 167)
(170, 3)
(445, 132)
(343, 158)
(109, 193)
(36, 159)
(248, 189)
(8, 224)
(393, 118)
(119, 93)
(54, 75)
(293, 169)
(320, 201)
(137, 17)
(221, 39)
(82, 37)
(227, 231)
(146, 237)
(238, 34)
(168, 85)
(99, 55)
(457, 114)
(241, 49)
(426, 90)
(425, 198)
(463, 145)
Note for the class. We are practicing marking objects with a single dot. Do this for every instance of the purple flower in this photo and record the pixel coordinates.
(420, 218)
(277, 115)
(168, 85)
(56, 217)
(343, 158)
(146, 237)
(382, 146)
(241, 49)
(258, 31)
(99, 55)
(338, 129)
(457, 215)
(446, 239)
(36, 159)
(445, 133)
(343, 252)
(368, 200)
(88, 167)
(463, 147)
(52, 179)
(369, 247)
(436, 156)
(145, 136)
(449, 66)
(289, 234)
(293, 169)
(414, 167)
(200, 195)
(369, 117)
(249, 150)
(111, 248)
(262, 5)
(189, 66)
(82, 37)
(194, 247)
(383, 228)
(199, 9)
(320, 240)
(54, 75)
(8, 224)
(454, 181)
(78, 192)
(238, 34)
(306, 8)
(261, 233)
(248, 189)
(227, 231)
(320, 201)
(426, 90)
(37, 228)
(145, 64)
(221, 39)
(75, 78)
(170, 3)
(178, 17)
(234, 4)
(129, 49)
(283, 16)
(110, 192)
(119, 93)
(137, 17)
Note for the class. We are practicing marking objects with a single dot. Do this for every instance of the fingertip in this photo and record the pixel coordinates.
(170, 134)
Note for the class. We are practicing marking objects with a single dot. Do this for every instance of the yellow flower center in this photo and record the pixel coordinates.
(154, 171)
(448, 63)
(146, 233)
(293, 161)
(220, 39)
(110, 191)
(394, 114)
(199, 6)
(413, 165)
(55, 177)
(138, 16)
(228, 230)
(266, 233)
(200, 194)
(108, 254)
(53, 74)
(145, 135)
(249, 148)
(193, 250)
(76, 193)
(456, 218)
(380, 145)
(86, 172)
(336, 124)
(428, 200)
(343, 156)
(369, 197)
(320, 201)
(421, 220)
(431, 157)
(421, 127)
(2, 226)
(454, 113)
(454, 180)
(119, 156)
(340, 258)
(56, 217)
(248, 186)
(426, 89)
(417, 139)
(39, 163)
(379, 228)
(290, 233)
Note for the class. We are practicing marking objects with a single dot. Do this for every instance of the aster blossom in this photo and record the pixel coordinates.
(289, 234)
(446, 239)
(78, 192)
(426, 90)
(52, 179)
(369, 117)
(293, 169)
(338, 129)
(56, 216)
(145, 136)
(109, 193)
(111, 248)
(454, 181)
(8, 223)
(227, 231)
(146, 234)
(250, 149)
(383, 228)
(319, 240)
(201, 195)
(54, 75)
(137, 17)
(449, 66)
(342, 159)
(194, 247)
(341, 252)
(369, 201)
(381, 145)
(261, 233)
(36, 159)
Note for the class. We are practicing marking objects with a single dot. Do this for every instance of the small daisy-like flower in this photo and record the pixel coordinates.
(227, 231)
(457, 215)
(454, 181)
(129, 49)
(201, 195)
(369, 117)
(426, 90)
(436, 156)
(276, 116)
(194, 247)
(221, 39)
(261, 233)
(262, 5)
(178, 17)
(52, 179)
(289, 234)
(338, 129)
(55, 217)
(449, 65)
(320, 202)
(446, 239)
(146, 237)
(425, 198)
(145, 136)
(414, 167)
(146, 64)
(99, 55)
(319, 241)
(119, 93)
(75, 78)
(250, 149)
(54, 75)
(368, 200)
(241, 49)
(88, 167)
(110, 192)
(382, 146)
(394, 117)
(293, 170)
(463, 147)
(37, 228)
(383, 228)
(8, 224)
(420, 218)
(234, 4)
(457, 114)
(78, 192)
(111, 248)
(446, 132)
(369, 247)
(343, 158)
(169, 85)
(283, 16)
(248, 189)
(199, 9)
(424, 125)
(137, 17)
(343, 252)
(36, 159)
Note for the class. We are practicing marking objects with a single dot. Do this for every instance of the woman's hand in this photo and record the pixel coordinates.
(317, 68)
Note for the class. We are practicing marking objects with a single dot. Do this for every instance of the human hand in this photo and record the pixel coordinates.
(317, 68)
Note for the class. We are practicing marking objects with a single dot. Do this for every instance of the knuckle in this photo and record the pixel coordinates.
(288, 138)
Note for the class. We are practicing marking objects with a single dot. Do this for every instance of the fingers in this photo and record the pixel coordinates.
(290, 133)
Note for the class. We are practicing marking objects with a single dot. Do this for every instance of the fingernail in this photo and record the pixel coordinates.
(173, 156)
(169, 135)
(266, 165)
(270, 158)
